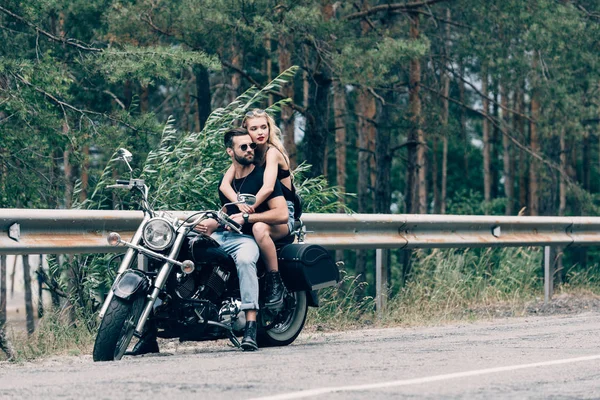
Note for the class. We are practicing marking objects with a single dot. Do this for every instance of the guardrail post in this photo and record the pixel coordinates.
(547, 275)
(381, 284)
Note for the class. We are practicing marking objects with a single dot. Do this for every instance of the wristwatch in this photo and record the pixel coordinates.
(245, 216)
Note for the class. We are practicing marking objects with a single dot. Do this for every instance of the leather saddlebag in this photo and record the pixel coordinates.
(307, 267)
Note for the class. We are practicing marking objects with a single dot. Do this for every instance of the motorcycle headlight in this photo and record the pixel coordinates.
(158, 234)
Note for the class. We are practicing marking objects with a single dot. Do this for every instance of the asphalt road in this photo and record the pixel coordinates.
(535, 357)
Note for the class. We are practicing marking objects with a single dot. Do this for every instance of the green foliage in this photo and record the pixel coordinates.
(362, 62)
(147, 65)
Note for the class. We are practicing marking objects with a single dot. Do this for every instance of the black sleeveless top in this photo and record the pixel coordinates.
(281, 174)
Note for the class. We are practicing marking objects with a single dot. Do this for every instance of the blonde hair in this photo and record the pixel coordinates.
(274, 131)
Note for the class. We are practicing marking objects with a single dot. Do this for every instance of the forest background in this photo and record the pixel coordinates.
(424, 106)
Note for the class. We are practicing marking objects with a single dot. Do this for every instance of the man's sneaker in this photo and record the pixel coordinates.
(249, 339)
(274, 289)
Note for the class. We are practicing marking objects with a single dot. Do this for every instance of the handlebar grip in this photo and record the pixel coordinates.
(231, 222)
(122, 181)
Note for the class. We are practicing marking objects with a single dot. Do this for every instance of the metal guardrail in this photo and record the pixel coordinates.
(34, 231)
(37, 231)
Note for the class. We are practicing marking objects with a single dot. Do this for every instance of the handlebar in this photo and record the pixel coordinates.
(220, 216)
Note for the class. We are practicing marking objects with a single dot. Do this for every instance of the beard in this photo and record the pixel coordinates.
(243, 160)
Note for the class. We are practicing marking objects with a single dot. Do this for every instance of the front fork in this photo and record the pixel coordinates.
(159, 282)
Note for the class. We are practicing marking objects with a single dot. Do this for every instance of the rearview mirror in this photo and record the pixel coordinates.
(126, 156)
(248, 199)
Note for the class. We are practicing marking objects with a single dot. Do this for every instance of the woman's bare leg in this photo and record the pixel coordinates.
(262, 235)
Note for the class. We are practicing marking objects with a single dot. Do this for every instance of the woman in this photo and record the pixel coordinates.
(270, 155)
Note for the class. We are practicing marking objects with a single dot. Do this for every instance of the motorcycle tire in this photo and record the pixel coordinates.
(116, 329)
(286, 331)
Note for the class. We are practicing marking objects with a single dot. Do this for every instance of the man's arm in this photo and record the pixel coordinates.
(277, 213)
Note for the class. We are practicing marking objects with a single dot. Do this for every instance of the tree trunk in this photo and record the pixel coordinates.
(445, 114)
(365, 111)
(287, 113)
(269, 64)
(509, 187)
(3, 282)
(317, 126)
(339, 112)
(236, 77)
(187, 108)
(586, 160)
(435, 172)
(203, 95)
(85, 167)
(415, 182)
(12, 277)
(463, 122)
(487, 179)
(5, 344)
(494, 147)
(535, 148)
(68, 171)
(562, 187)
(562, 201)
(40, 281)
(520, 105)
(28, 296)
(144, 99)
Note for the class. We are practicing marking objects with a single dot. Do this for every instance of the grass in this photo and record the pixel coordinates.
(449, 286)
(54, 335)
(444, 286)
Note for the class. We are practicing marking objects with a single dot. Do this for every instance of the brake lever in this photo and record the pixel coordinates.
(231, 223)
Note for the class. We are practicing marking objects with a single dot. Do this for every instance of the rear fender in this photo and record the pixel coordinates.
(312, 298)
(129, 283)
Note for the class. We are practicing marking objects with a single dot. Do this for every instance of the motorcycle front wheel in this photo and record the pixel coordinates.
(116, 329)
(289, 326)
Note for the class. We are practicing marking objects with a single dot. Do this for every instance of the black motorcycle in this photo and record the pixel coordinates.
(188, 287)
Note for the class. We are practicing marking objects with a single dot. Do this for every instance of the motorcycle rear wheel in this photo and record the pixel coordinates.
(287, 330)
(116, 329)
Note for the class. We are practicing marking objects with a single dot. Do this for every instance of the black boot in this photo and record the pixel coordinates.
(274, 289)
(249, 339)
(147, 343)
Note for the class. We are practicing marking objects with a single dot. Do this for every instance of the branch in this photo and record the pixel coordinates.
(443, 20)
(292, 105)
(64, 105)
(50, 36)
(108, 92)
(523, 147)
(52, 285)
(392, 7)
(460, 77)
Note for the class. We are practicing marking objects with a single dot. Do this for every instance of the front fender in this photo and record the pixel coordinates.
(129, 283)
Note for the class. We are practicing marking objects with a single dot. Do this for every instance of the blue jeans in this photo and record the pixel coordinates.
(291, 221)
(244, 251)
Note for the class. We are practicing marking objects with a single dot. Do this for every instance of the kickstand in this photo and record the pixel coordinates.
(234, 339)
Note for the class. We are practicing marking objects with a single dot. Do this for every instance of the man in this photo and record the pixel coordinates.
(243, 248)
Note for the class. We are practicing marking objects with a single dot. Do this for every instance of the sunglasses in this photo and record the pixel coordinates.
(244, 147)
(255, 113)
